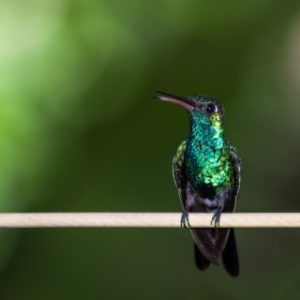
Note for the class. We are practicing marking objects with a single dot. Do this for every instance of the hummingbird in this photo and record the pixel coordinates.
(207, 173)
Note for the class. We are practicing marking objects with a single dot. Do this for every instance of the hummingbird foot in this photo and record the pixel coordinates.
(216, 218)
(185, 223)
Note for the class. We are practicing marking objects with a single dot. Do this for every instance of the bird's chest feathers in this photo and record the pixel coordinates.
(207, 158)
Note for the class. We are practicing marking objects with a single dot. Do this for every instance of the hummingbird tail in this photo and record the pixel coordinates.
(201, 262)
(230, 256)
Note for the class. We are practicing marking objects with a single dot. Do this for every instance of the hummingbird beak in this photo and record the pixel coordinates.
(181, 101)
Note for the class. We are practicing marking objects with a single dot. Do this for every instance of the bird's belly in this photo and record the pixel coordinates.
(210, 205)
(206, 199)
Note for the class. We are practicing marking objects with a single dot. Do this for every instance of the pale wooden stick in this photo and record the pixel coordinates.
(121, 219)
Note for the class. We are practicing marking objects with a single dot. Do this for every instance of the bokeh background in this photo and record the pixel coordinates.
(79, 131)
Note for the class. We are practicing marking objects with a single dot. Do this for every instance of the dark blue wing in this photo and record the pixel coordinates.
(230, 255)
(202, 238)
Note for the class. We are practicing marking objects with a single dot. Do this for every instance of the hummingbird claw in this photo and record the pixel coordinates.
(185, 223)
(216, 219)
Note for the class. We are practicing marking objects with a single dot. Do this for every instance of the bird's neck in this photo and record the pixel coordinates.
(205, 135)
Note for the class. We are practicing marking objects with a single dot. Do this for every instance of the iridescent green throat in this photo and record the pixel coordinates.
(208, 152)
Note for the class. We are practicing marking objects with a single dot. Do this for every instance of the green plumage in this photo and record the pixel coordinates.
(208, 153)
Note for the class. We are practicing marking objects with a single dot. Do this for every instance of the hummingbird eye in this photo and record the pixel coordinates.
(211, 108)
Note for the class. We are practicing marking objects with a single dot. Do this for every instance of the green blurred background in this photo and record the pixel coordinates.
(79, 131)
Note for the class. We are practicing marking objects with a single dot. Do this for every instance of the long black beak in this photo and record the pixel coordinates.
(182, 101)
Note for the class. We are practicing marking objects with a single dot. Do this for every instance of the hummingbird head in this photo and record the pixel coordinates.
(202, 109)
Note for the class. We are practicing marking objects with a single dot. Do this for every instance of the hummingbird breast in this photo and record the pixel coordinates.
(208, 169)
